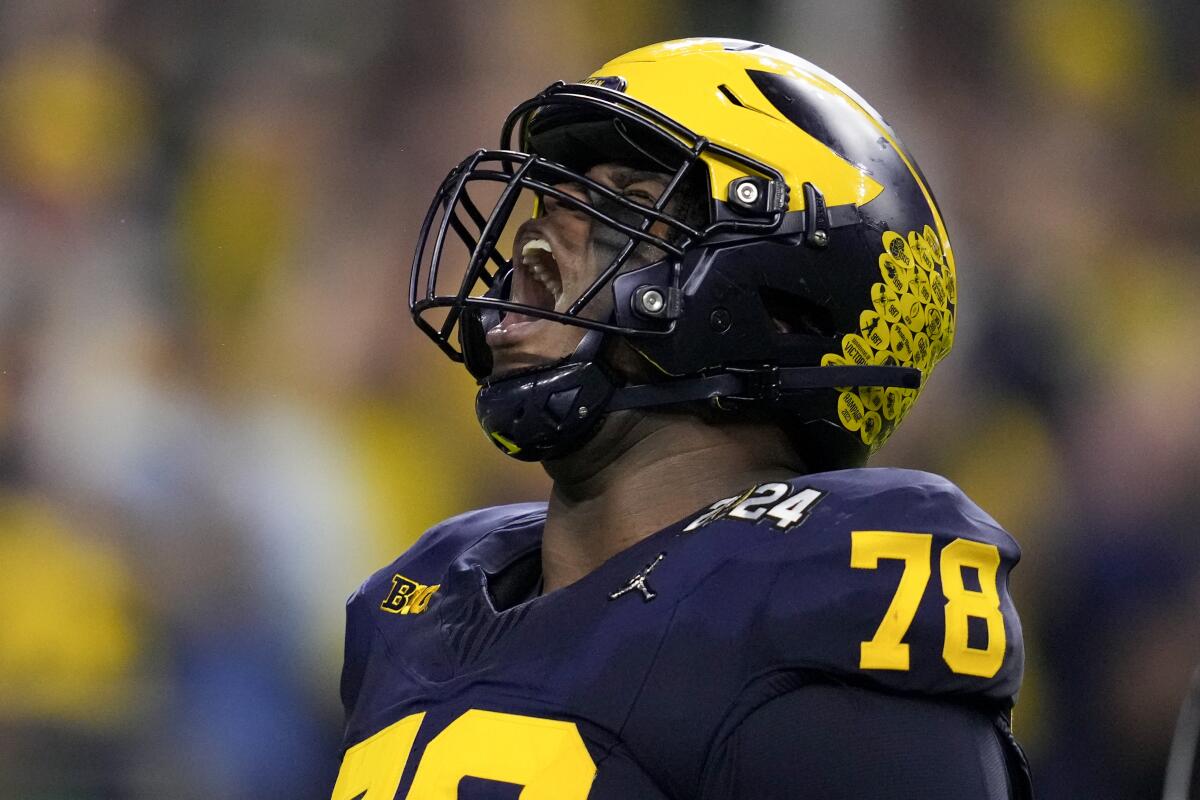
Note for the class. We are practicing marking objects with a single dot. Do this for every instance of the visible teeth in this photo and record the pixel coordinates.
(549, 283)
(536, 244)
(540, 272)
(545, 279)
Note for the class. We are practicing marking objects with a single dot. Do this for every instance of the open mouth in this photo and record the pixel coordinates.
(537, 281)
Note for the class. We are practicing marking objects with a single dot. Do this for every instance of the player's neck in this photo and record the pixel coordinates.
(643, 472)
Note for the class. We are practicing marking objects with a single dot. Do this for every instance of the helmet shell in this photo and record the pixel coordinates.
(883, 291)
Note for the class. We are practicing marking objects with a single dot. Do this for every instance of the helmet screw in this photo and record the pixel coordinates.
(652, 301)
(819, 238)
(747, 192)
(583, 411)
(720, 320)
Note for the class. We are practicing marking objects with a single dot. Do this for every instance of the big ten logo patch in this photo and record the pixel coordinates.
(408, 596)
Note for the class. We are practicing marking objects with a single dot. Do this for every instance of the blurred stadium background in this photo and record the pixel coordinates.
(216, 418)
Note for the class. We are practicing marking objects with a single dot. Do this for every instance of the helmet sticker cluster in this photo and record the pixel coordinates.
(910, 324)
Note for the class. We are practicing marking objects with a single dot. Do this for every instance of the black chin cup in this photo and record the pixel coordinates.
(544, 413)
(474, 325)
(472, 338)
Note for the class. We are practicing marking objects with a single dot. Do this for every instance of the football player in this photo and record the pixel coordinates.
(701, 287)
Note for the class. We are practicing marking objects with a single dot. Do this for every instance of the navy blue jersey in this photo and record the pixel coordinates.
(645, 678)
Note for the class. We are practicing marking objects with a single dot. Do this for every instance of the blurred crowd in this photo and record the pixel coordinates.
(216, 418)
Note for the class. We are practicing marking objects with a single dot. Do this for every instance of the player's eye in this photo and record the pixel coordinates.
(549, 202)
(639, 196)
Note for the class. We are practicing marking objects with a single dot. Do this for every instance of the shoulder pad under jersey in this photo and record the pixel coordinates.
(407, 585)
(892, 578)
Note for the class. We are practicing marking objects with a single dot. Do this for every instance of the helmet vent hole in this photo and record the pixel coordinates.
(730, 96)
(792, 313)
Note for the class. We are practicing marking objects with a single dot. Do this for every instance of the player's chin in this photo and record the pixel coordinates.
(524, 352)
(508, 362)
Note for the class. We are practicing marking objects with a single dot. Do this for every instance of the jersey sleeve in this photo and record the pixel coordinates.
(356, 652)
(838, 742)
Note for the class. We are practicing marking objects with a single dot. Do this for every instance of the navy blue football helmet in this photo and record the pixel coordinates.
(800, 266)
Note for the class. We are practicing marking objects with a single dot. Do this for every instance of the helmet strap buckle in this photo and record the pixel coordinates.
(816, 217)
(759, 384)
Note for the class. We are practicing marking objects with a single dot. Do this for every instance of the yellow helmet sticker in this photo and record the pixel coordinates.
(912, 311)
(886, 302)
(872, 397)
(875, 329)
(910, 323)
(871, 426)
(895, 273)
(851, 411)
(856, 350)
(902, 343)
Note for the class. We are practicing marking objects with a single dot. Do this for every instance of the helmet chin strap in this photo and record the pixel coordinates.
(550, 411)
(761, 384)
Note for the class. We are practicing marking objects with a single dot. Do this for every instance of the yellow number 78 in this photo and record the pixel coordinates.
(886, 650)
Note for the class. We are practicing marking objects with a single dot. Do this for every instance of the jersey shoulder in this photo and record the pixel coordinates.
(887, 577)
(407, 585)
(822, 504)
(440, 545)
(898, 499)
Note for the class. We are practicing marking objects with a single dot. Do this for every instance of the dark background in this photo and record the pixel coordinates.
(216, 418)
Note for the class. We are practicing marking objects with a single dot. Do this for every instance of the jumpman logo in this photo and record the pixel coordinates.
(639, 582)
